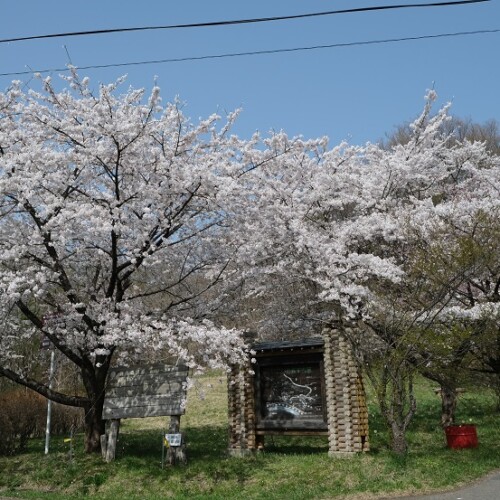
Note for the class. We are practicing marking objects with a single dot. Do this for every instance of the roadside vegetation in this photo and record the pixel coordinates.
(292, 468)
(130, 234)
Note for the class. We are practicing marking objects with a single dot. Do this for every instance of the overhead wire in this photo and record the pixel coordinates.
(245, 21)
(258, 52)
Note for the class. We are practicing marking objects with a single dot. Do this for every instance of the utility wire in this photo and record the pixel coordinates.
(244, 21)
(259, 52)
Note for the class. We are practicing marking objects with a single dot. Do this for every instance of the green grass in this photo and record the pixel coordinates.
(291, 468)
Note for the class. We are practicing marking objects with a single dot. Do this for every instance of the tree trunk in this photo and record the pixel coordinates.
(94, 427)
(94, 380)
(448, 404)
(394, 388)
(399, 444)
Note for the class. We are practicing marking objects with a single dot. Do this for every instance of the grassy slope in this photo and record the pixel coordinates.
(291, 468)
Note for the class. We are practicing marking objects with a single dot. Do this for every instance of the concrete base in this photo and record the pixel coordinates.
(342, 454)
(239, 453)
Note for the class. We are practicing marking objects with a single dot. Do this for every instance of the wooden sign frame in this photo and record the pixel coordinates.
(143, 391)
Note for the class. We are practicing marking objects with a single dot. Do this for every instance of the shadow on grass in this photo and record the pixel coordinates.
(211, 442)
(303, 445)
(208, 460)
(142, 450)
(208, 469)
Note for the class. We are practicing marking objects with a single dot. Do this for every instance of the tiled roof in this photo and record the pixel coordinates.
(288, 344)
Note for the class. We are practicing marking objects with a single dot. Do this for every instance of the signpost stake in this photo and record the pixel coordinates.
(163, 444)
(176, 450)
(112, 438)
(71, 451)
(49, 402)
(104, 445)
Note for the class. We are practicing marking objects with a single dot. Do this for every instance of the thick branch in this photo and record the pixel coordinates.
(38, 323)
(42, 389)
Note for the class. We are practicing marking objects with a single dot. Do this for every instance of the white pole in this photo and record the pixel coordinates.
(49, 402)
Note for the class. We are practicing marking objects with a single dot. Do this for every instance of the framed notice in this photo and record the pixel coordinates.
(290, 393)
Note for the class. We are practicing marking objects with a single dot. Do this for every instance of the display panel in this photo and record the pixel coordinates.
(290, 395)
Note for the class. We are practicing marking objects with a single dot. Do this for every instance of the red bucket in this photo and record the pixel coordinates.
(461, 436)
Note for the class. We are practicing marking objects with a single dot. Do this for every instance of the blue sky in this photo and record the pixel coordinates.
(356, 94)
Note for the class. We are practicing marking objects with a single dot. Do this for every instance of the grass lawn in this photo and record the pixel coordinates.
(290, 468)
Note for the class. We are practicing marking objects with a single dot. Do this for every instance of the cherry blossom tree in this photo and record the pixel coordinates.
(450, 251)
(111, 210)
(346, 219)
(456, 252)
(118, 216)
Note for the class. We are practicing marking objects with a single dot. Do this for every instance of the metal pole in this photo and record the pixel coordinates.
(71, 446)
(49, 402)
(163, 451)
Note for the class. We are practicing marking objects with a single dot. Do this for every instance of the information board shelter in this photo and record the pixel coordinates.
(306, 387)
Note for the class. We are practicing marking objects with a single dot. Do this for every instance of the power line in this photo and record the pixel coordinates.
(244, 21)
(259, 52)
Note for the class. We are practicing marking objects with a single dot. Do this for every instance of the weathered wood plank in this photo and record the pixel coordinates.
(160, 387)
(132, 379)
(138, 371)
(142, 411)
(286, 432)
(144, 400)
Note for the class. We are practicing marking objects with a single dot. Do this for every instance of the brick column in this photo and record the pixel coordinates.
(345, 398)
(241, 411)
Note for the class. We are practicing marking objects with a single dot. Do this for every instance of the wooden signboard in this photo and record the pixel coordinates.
(146, 391)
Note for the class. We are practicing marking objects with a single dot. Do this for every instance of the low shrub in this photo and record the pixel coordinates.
(23, 414)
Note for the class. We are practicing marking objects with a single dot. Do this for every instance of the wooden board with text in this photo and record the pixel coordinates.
(145, 391)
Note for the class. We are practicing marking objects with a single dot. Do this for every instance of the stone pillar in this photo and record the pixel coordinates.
(345, 397)
(241, 411)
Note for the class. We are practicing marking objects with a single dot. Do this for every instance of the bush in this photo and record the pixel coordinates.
(6, 433)
(65, 418)
(23, 414)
